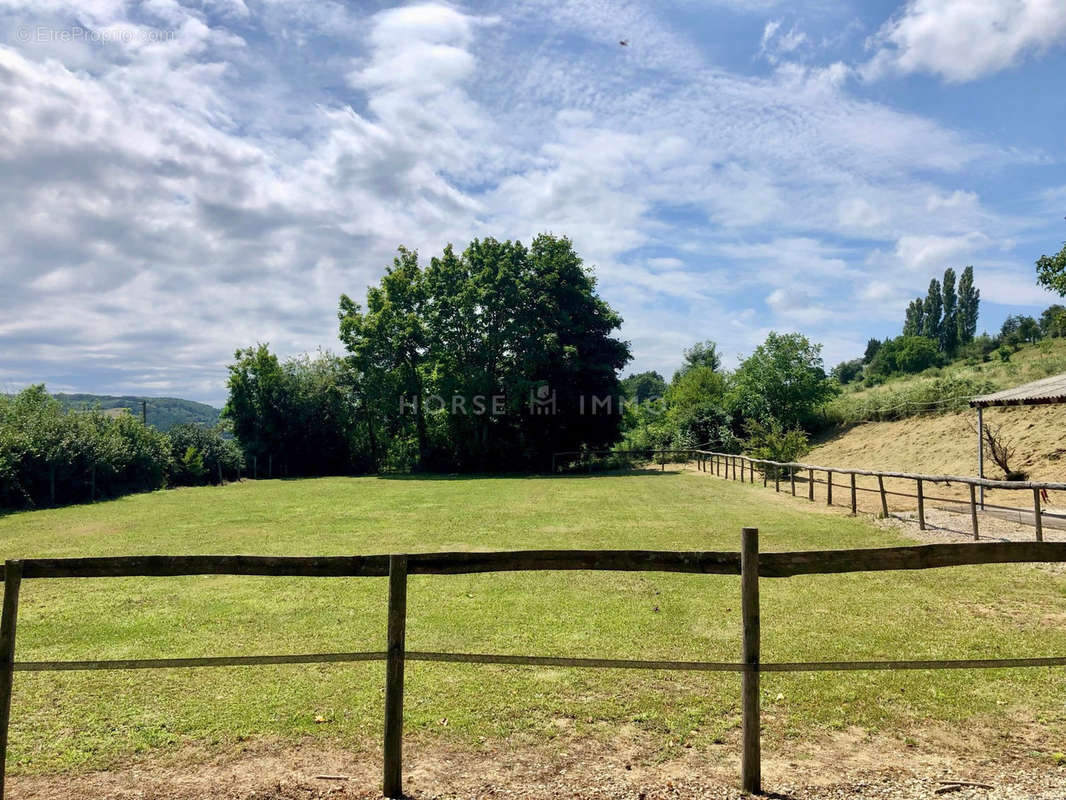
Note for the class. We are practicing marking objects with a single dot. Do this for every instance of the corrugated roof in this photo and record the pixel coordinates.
(1045, 390)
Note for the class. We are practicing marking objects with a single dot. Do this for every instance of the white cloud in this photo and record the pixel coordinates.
(167, 201)
(962, 40)
(777, 43)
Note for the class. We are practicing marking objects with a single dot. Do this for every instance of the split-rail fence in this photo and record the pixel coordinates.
(750, 564)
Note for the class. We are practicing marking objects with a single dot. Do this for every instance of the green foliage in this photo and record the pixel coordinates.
(914, 323)
(969, 304)
(1051, 271)
(702, 354)
(902, 356)
(201, 455)
(847, 371)
(1019, 328)
(933, 308)
(643, 387)
(924, 397)
(1053, 321)
(947, 315)
(450, 365)
(774, 443)
(872, 346)
(784, 381)
(949, 332)
(191, 466)
(53, 456)
(292, 418)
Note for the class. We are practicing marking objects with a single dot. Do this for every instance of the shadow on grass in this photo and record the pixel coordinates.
(480, 476)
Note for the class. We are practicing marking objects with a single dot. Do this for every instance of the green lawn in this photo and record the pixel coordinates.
(83, 720)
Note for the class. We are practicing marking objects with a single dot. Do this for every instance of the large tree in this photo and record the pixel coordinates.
(1051, 271)
(932, 309)
(702, 354)
(783, 381)
(969, 300)
(914, 323)
(949, 334)
(643, 387)
(473, 349)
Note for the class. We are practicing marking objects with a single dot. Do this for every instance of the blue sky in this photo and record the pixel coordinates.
(184, 178)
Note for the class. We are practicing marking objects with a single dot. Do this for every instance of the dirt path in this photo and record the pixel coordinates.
(847, 764)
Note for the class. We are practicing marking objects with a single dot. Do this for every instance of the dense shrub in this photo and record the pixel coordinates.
(927, 397)
(202, 455)
(774, 443)
(50, 456)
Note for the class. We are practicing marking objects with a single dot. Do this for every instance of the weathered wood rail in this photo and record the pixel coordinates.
(741, 467)
(750, 564)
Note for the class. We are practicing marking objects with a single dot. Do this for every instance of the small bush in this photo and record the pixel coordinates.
(774, 443)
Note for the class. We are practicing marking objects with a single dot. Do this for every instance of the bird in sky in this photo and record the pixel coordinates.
(624, 42)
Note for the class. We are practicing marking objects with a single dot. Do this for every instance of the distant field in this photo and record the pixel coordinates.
(79, 721)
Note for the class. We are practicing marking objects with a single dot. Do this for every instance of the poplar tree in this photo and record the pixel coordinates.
(949, 334)
(932, 309)
(969, 300)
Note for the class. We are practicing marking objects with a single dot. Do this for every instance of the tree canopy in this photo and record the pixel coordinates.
(1051, 271)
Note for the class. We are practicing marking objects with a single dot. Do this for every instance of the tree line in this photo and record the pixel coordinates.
(767, 406)
(51, 455)
(485, 360)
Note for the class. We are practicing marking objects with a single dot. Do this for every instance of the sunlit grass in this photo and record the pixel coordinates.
(81, 720)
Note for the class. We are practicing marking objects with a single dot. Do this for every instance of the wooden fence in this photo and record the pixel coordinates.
(726, 463)
(748, 563)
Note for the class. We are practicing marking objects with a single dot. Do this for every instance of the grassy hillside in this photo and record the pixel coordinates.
(923, 423)
(947, 388)
(163, 412)
(71, 721)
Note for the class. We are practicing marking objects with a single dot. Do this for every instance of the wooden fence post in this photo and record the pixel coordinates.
(764, 475)
(12, 581)
(777, 479)
(854, 498)
(810, 486)
(393, 780)
(973, 511)
(921, 506)
(1037, 516)
(884, 497)
(829, 487)
(750, 764)
(792, 479)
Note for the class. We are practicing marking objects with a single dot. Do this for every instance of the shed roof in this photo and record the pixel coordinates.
(1041, 392)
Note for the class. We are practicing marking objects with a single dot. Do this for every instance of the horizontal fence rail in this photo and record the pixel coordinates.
(741, 467)
(750, 564)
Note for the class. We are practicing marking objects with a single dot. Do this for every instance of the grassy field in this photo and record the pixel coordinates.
(78, 721)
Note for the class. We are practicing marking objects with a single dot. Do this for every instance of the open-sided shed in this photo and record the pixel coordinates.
(1036, 393)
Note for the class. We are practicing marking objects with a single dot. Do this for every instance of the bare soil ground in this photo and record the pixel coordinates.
(947, 445)
(845, 764)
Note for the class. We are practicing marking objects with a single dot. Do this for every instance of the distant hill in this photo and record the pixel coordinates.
(163, 412)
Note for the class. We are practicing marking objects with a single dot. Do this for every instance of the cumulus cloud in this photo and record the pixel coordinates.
(169, 198)
(959, 40)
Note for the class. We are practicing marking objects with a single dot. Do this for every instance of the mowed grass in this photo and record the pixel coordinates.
(94, 719)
